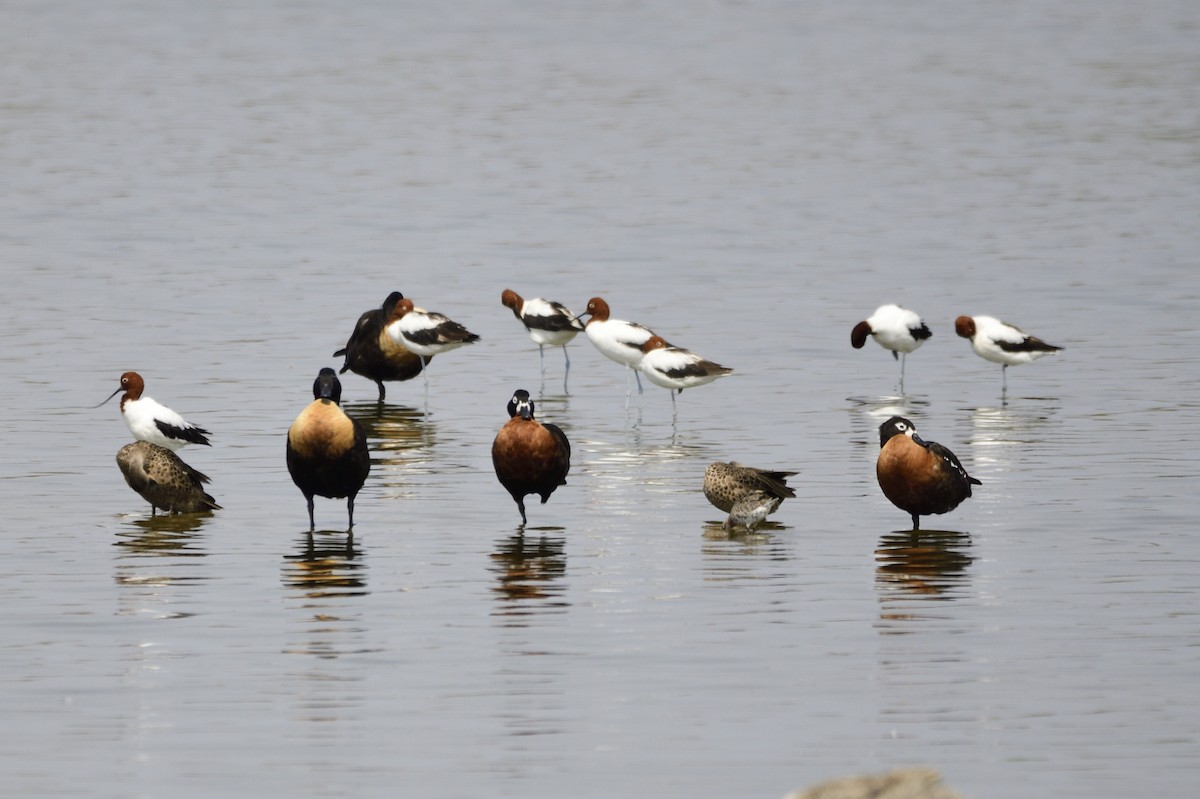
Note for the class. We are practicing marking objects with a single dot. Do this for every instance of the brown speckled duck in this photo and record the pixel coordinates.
(725, 484)
(163, 479)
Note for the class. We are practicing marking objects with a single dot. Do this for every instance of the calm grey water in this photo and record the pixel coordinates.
(210, 193)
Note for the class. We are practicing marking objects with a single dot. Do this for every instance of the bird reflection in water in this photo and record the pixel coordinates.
(158, 562)
(529, 572)
(398, 426)
(400, 437)
(326, 564)
(738, 555)
(1002, 436)
(755, 541)
(875, 410)
(326, 572)
(174, 534)
(930, 564)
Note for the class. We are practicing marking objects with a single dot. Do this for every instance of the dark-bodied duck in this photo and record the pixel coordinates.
(163, 479)
(918, 476)
(375, 355)
(529, 457)
(547, 321)
(151, 421)
(326, 449)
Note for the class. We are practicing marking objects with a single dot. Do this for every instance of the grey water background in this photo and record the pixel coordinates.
(210, 193)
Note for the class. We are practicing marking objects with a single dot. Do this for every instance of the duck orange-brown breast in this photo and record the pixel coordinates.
(322, 429)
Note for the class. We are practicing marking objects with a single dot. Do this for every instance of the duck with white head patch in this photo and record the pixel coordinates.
(918, 476)
(529, 457)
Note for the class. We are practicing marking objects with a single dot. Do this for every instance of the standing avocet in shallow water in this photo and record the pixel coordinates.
(918, 476)
(529, 457)
(548, 322)
(617, 339)
(326, 449)
(161, 478)
(676, 368)
(151, 421)
(894, 328)
(375, 355)
(426, 333)
(1001, 343)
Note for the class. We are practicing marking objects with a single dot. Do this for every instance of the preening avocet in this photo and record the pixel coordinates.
(150, 421)
(161, 478)
(918, 476)
(547, 321)
(374, 354)
(426, 333)
(529, 457)
(676, 368)
(1002, 343)
(616, 339)
(894, 328)
(326, 449)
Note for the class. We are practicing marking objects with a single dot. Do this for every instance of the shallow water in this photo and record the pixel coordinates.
(210, 194)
